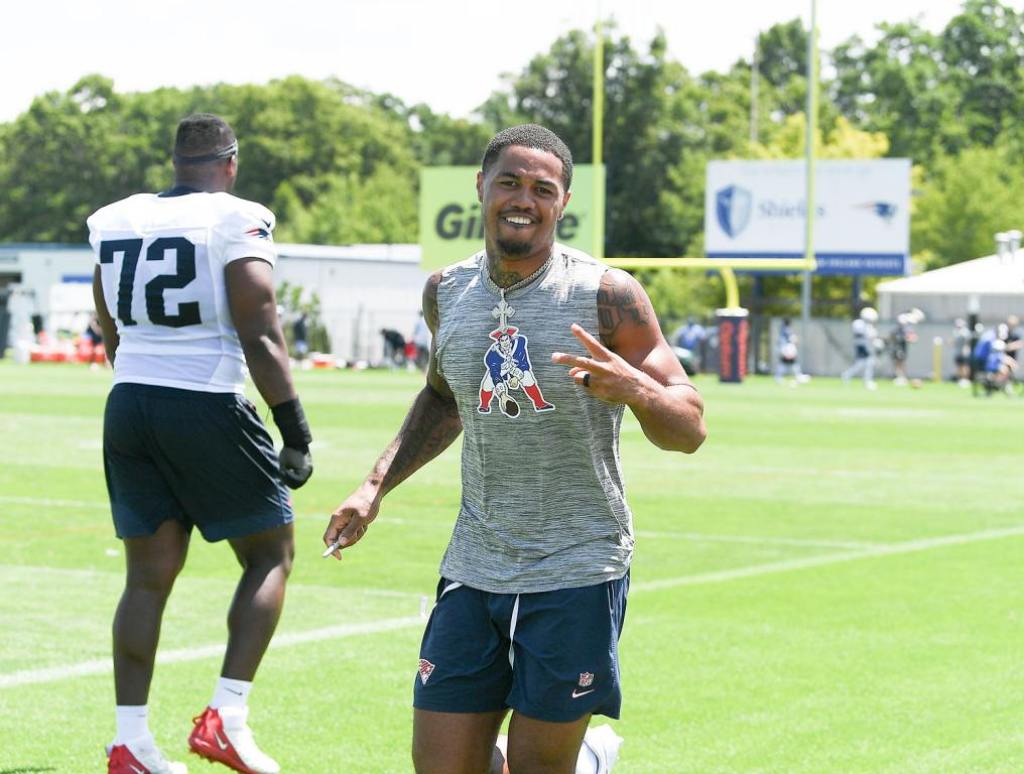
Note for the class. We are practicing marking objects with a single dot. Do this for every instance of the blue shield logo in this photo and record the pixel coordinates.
(733, 206)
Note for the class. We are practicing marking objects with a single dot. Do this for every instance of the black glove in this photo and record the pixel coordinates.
(296, 466)
(295, 461)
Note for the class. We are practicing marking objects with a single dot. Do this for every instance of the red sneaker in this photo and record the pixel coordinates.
(223, 736)
(140, 756)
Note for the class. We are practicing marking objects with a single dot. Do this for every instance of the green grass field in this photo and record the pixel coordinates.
(834, 583)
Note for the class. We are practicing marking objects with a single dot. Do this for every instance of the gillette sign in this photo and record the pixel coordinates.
(758, 209)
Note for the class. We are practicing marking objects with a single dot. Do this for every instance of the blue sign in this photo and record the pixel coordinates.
(835, 263)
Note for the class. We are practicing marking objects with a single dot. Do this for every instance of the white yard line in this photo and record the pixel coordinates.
(103, 666)
(48, 502)
(701, 537)
(400, 522)
(891, 549)
(118, 576)
(103, 505)
(700, 467)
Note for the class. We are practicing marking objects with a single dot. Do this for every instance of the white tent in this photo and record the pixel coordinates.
(993, 285)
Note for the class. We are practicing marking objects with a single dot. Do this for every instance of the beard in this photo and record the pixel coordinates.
(514, 247)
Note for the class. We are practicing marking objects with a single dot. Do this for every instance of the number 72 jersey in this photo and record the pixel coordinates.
(162, 261)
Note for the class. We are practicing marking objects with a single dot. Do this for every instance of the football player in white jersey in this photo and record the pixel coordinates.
(185, 295)
(864, 342)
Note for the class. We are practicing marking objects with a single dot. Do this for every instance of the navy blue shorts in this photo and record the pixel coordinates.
(552, 656)
(203, 458)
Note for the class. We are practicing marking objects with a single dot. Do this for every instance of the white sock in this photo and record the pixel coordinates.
(230, 693)
(132, 722)
(600, 750)
(587, 762)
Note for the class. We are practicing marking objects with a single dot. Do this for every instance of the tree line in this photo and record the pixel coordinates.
(340, 165)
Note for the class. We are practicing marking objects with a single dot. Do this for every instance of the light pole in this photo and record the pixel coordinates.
(812, 132)
(598, 140)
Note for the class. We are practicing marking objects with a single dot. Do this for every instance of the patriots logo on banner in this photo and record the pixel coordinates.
(733, 206)
(885, 210)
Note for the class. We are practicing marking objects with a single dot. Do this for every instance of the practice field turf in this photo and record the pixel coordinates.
(834, 583)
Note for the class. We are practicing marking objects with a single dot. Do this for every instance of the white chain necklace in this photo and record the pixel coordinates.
(523, 282)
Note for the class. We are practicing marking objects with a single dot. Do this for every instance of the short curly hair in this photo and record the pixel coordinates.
(202, 133)
(530, 136)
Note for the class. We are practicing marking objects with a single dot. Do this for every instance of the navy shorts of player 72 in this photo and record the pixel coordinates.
(203, 458)
(551, 656)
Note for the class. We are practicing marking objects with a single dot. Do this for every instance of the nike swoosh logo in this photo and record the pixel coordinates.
(267, 222)
(576, 694)
(137, 771)
(220, 742)
(232, 690)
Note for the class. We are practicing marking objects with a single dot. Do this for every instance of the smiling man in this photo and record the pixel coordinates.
(532, 595)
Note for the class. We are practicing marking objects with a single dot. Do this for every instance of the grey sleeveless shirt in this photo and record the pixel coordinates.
(543, 500)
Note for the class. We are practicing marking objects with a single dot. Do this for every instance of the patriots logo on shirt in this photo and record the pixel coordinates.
(259, 233)
(508, 369)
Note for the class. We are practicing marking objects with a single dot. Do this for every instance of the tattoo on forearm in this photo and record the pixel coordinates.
(431, 427)
(618, 303)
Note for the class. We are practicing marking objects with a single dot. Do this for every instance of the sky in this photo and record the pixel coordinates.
(449, 54)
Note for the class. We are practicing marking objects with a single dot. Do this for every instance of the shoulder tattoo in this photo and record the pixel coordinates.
(618, 302)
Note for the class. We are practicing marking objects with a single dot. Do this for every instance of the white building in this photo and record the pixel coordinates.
(362, 289)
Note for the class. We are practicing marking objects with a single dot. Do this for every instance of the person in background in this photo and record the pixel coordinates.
(900, 339)
(962, 351)
(394, 347)
(421, 338)
(91, 348)
(532, 595)
(998, 367)
(864, 336)
(300, 336)
(184, 293)
(789, 355)
(691, 337)
(1014, 339)
(983, 347)
(93, 332)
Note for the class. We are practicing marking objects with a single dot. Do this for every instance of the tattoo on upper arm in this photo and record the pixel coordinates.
(618, 302)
